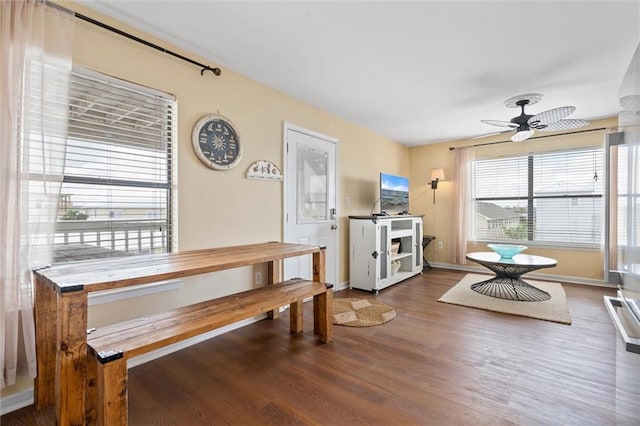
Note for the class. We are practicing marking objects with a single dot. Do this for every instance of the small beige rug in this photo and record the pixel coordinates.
(361, 312)
(554, 309)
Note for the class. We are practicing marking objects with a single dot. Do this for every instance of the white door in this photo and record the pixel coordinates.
(310, 199)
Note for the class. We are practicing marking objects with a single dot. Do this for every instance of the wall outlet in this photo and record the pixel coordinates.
(258, 277)
(440, 245)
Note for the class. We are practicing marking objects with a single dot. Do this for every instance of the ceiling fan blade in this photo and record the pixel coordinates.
(486, 135)
(564, 125)
(500, 123)
(550, 116)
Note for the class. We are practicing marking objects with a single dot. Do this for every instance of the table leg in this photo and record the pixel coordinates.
(273, 276)
(319, 275)
(46, 308)
(426, 239)
(319, 266)
(510, 289)
(508, 285)
(71, 360)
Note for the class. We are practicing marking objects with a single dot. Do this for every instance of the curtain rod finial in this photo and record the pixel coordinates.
(216, 71)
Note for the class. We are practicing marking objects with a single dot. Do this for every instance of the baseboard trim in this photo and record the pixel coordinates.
(342, 286)
(532, 275)
(16, 401)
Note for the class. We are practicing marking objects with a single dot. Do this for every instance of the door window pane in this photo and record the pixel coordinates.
(312, 185)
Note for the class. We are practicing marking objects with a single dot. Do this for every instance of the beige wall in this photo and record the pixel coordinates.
(573, 263)
(221, 208)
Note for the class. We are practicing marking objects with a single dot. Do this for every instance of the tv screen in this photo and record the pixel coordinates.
(394, 193)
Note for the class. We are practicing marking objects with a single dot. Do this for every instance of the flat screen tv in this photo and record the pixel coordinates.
(394, 193)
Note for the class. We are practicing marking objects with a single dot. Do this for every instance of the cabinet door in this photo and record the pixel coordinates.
(384, 252)
(363, 269)
(417, 239)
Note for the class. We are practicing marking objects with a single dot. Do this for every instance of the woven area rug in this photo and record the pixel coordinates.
(554, 309)
(361, 312)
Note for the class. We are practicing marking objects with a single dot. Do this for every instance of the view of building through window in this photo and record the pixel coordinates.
(551, 197)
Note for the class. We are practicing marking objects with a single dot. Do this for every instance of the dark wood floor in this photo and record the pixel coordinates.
(434, 364)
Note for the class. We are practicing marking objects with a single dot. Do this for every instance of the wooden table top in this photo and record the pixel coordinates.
(106, 274)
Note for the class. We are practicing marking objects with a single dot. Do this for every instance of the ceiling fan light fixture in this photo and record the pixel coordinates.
(522, 135)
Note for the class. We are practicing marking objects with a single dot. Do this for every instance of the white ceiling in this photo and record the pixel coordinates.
(417, 72)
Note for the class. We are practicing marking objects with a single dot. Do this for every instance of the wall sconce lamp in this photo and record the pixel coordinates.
(436, 176)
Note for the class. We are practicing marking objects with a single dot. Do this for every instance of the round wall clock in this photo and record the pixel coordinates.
(216, 142)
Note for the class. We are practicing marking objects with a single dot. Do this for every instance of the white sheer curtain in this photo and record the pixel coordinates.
(35, 47)
(462, 202)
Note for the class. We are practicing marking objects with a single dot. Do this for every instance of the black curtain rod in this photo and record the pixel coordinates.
(216, 71)
(452, 148)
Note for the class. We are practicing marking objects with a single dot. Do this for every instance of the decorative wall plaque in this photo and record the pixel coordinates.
(264, 170)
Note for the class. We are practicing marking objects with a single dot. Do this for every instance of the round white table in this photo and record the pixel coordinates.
(507, 283)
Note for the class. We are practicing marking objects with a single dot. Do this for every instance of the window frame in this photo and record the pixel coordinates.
(167, 182)
(530, 199)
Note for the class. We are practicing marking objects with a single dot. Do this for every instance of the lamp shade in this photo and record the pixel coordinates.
(437, 174)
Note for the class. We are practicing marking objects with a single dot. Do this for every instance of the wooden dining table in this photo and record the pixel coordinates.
(61, 303)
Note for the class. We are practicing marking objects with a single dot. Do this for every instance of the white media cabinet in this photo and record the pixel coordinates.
(372, 264)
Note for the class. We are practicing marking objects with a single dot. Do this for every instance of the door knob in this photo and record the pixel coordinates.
(334, 227)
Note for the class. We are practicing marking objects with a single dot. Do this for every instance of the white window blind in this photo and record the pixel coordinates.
(550, 197)
(116, 192)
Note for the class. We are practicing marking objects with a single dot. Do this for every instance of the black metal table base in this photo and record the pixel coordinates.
(510, 289)
(426, 239)
(507, 283)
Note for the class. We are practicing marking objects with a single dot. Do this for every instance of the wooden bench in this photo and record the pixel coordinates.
(62, 300)
(109, 347)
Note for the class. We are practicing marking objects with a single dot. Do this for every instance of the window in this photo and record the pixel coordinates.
(549, 197)
(116, 193)
(626, 209)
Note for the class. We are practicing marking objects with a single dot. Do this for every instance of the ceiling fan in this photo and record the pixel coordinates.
(547, 121)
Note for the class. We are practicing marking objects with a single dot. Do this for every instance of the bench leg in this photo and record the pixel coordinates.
(91, 391)
(295, 316)
(322, 315)
(112, 391)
